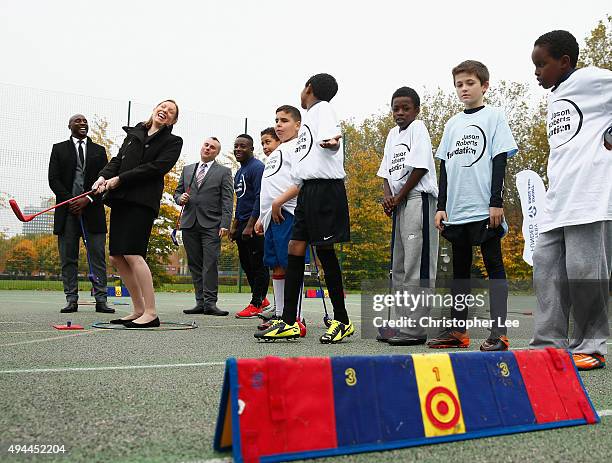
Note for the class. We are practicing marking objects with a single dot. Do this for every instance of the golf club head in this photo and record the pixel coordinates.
(177, 237)
(327, 320)
(17, 211)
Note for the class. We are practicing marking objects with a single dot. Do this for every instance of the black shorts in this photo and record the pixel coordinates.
(321, 214)
(472, 233)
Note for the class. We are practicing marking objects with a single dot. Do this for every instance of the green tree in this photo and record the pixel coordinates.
(47, 253)
(160, 243)
(366, 257)
(99, 134)
(368, 253)
(436, 109)
(22, 258)
(598, 46)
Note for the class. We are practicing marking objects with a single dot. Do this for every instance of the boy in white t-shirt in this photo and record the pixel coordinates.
(410, 190)
(277, 205)
(473, 151)
(269, 140)
(572, 260)
(321, 213)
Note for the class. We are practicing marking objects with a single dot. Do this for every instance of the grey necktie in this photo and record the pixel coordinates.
(201, 174)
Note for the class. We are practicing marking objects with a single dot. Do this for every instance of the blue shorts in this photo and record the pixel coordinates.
(276, 242)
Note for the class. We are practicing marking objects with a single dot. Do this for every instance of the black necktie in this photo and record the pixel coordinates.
(81, 155)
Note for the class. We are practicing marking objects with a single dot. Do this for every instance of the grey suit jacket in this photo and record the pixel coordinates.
(212, 203)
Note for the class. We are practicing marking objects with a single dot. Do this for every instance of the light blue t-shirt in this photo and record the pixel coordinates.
(468, 146)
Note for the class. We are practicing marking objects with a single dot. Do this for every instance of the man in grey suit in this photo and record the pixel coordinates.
(206, 190)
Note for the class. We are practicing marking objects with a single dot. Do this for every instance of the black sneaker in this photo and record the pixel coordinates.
(402, 339)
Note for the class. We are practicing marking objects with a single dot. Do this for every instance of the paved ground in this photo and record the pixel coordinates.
(113, 396)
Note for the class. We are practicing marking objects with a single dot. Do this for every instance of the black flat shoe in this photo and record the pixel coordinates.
(118, 321)
(152, 324)
(403, 340)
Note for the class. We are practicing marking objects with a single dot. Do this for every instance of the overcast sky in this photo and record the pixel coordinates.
(242, 58)
(235, 59)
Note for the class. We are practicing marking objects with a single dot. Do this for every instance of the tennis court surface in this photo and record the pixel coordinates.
(118, 396)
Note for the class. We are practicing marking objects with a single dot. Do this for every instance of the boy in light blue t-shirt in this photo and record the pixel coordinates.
(473, 151)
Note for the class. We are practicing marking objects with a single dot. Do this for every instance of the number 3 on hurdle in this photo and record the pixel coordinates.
(351, 377)
(503, 368)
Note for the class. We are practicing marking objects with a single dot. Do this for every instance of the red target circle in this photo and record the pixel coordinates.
(442, 408)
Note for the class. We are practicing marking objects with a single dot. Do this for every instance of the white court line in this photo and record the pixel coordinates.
(26, 332)
(119, 367)
(90, 330)
(54, 338)
(604, 412)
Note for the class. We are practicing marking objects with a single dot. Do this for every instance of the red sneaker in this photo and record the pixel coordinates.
(589, 361)
(302, 325)
(265, 303)
(250, 311)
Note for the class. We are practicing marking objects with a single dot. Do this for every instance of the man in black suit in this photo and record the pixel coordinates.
(73, 168)
(206, 190)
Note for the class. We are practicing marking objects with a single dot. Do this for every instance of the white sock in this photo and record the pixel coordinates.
(279, 294)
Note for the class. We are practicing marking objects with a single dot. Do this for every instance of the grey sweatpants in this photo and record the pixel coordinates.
(415, 255)
(571, 276)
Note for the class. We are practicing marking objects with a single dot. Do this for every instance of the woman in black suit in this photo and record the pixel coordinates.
(134, 180)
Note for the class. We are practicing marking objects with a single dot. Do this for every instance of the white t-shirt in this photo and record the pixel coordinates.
(579, 166)
(468, 146)
(311, 161)
(276, 180)
(406, 150)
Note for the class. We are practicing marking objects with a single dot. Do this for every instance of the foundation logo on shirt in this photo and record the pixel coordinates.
(240, 187)
(564, 122)
(304, 143)
(398, 161)
(470, 147)
(273, 164)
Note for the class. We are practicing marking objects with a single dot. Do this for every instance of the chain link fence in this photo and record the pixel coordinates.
(37, 119)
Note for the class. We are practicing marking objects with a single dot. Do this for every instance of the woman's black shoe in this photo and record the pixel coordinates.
(119, 321)
(152, 324)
